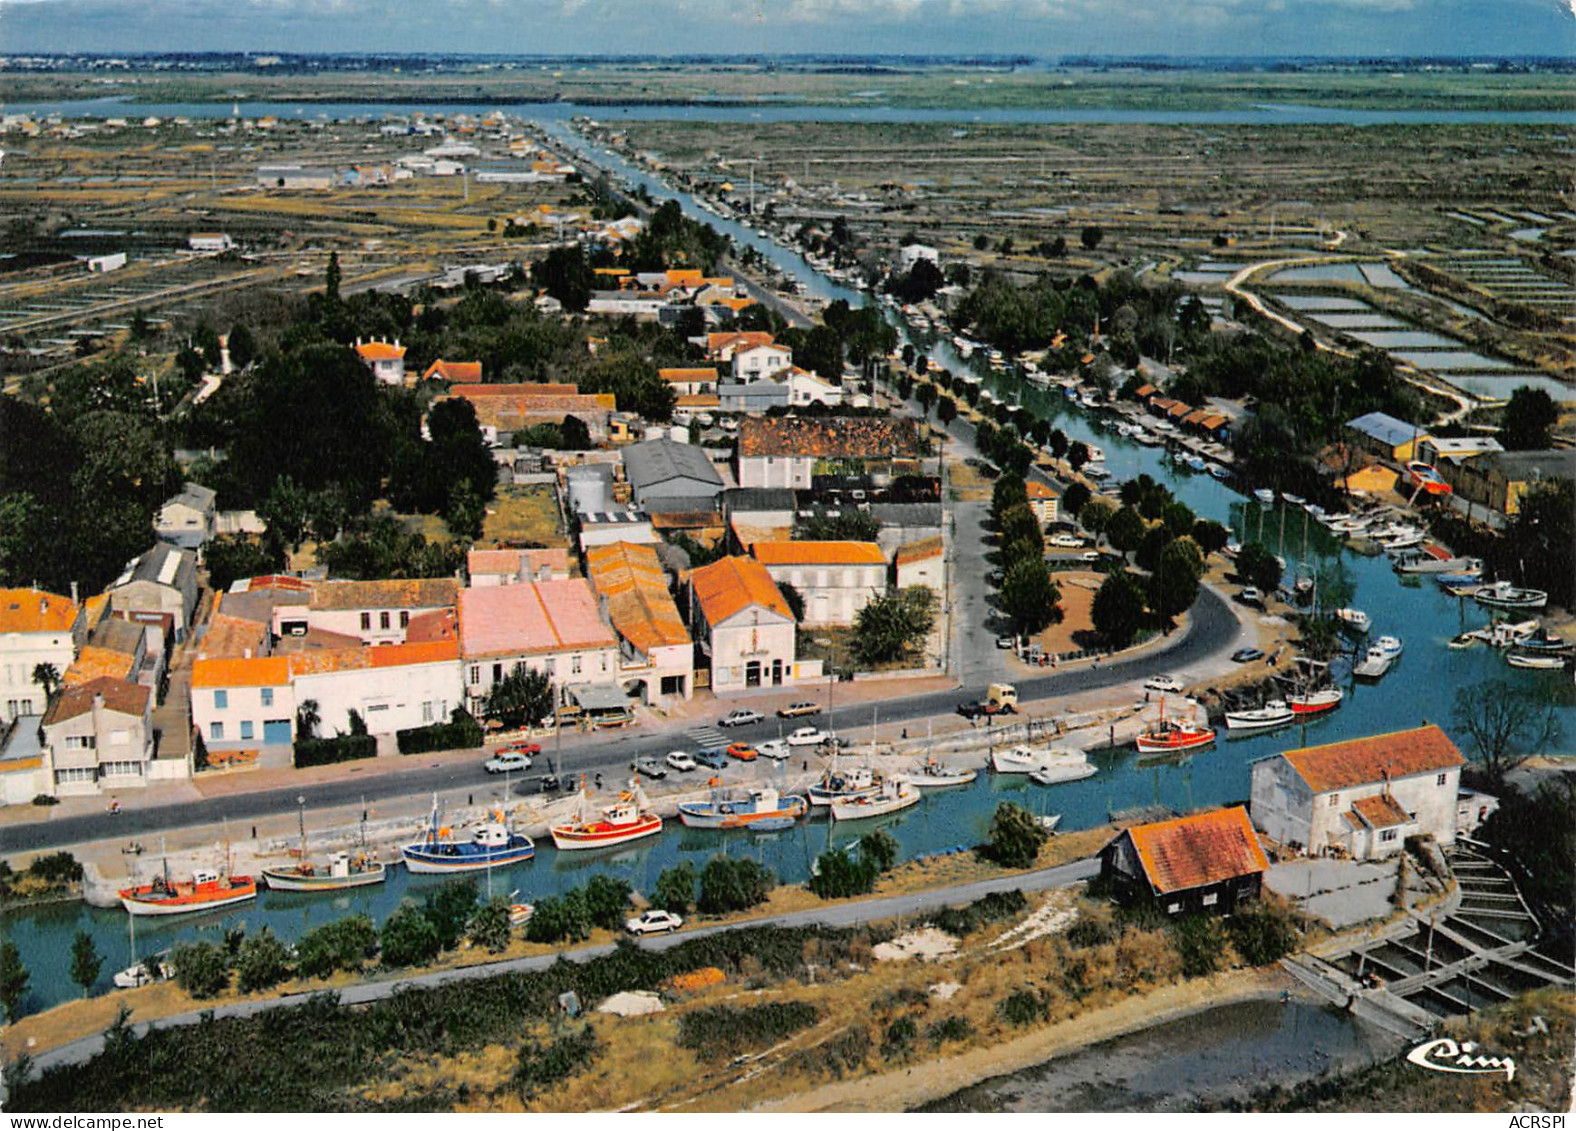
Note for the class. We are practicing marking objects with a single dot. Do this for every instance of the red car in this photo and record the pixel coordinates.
(743, 751)
(529, 749)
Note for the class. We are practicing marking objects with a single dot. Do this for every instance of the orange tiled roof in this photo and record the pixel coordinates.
(390, 593)
(258, 671)
(470, 392)
(1205, 848)
(427, 628)
(732, 584)
(818, 553)
(683, 375)
(33, 610)
(1381, 811)
(697, 400)
(629, 578)
(1146, 391)
(119, 695)
(453, 371)
(97, 663)
(735, 340)
(829, 437)
(1037, 490)
(923, 550)
(379, 351)
(1360, 761)
(232, 636)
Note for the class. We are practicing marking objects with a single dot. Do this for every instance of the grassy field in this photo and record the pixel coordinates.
(524, 515)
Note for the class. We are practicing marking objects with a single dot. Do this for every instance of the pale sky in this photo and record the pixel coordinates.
(1035, 27)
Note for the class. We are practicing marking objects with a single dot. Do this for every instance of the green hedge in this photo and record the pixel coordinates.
(323, 751)
(459, 733)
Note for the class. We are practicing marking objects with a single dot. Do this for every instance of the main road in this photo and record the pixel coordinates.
(1213, 628)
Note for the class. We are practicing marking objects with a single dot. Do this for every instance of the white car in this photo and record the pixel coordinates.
(1065, 541)
(775, 749)
(679, 760)
(1091, 555)
(1163, 683)
(507, 761)
(654, 922)
(807, 736)
(740, 717)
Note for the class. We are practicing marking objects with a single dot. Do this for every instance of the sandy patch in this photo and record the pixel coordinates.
(944, 991)
(928, 943)
(633, 1003)
(1052, 917)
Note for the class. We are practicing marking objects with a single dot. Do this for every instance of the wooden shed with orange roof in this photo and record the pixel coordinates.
(1204, 862)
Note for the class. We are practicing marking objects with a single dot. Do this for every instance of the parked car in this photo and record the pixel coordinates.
(1162, 683)
(1247, 655)
(529, 749)
(654, 922)
(995, 577)
(651, 768)
(741, 717)
(1090, 556)
(1007, 643)
(714, 759)
(1065, 541)
(1250, 596)
(680, 761)
(798, 710)
(507, 762)
(808, 736)
(775, 749)
(743, 751)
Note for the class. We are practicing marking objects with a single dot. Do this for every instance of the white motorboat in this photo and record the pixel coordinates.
(1536, 661)
(1379, 659)
(1265, 496)
(1354, 619)
(894, 795)
(1273, 714)
(1504, 595)
(934, 775)
(1390, 646)
(1063, 769)
(1026, 759)
(1048, 821)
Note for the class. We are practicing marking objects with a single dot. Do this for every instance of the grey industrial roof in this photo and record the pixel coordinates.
(1385, 428)
(658, 461)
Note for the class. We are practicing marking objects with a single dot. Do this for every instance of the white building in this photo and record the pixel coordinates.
(757, 362)
(187, 519)
(910, 254)
(486, 568)
(836, 579)
(656, 657)
(743, 625)
(385, 359)
(374, 612)
(103, 264)
(1364, 796)
(548, 626)
(210, 241)
(921, 563)
(805, 387)
(98, 736)
(35, 628)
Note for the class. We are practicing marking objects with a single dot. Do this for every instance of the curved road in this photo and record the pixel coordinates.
(846, 914)
(1213, 628)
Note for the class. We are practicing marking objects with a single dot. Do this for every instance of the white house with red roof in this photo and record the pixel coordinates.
(35, 628)
(1364, 796)
(757, 362)
(554, 627)
(385, 359)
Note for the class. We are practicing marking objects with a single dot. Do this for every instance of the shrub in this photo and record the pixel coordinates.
(723, 1030)
(200, 969)
(880, 848)
(409, 937)
(991, 908)
(56, 868)
(839, 875)
(1199, 941)
(490, 925)
(953, 1028)
(561, 918)
(733, 885)
(541, 1066)
(1089, 932)
(45, 799)
(461, 732)
(1015, 837)
(1023, 1007)
(343, 945)
(262, 963)
(449, 909)
(675, 888)
(606, 901)
(899, 1038)
(1262, 935)
(326, 751)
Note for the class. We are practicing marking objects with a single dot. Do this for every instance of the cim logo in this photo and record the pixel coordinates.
(1445, 1055)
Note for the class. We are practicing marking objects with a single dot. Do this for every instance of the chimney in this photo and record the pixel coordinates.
(224, 355)
(74, 599)
(246, 653)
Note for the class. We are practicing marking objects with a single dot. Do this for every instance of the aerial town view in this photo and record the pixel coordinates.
(876, 557)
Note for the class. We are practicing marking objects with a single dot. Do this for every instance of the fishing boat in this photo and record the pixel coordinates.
(1265, 496)
(1541, 661)
(1315, 702)
(759, 803)
(1544, 641)
(1026, 759)
(1504, 595)
(1433, 558)
(934, 775)
(1168, 736)
(1273, 714)
(1426, 477)
(894, 794)
(343, 870)
(206, 891)
(491, 845)
(843, 785)
(629, 818)
(1354, 620)
(1066, 766)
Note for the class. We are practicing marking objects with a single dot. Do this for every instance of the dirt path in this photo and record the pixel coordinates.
(905, 1090)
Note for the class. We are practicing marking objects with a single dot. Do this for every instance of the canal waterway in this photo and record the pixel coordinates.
(1422, 688)
(1211, 1058)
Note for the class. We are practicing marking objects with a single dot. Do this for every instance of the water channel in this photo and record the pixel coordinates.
(1421, 689)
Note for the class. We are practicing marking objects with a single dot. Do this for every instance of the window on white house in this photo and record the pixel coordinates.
(574, 665)
(216, 732)
(1335, 800)
(246, 728)
(366, 622)
(221, 700)
(1173, 908)
(75, 774)
(120, 770)
(1211, 899)
(1440, 780)
(404, 618)
(1387, 834)
(476, 674)
(383, 619)
(426, 711)
(268, 696)
(81, 742)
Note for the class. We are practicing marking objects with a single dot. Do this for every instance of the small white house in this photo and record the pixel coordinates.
(910, 254)
(1362, 797)
(836, 579)
(755, 363)
(743, 624)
